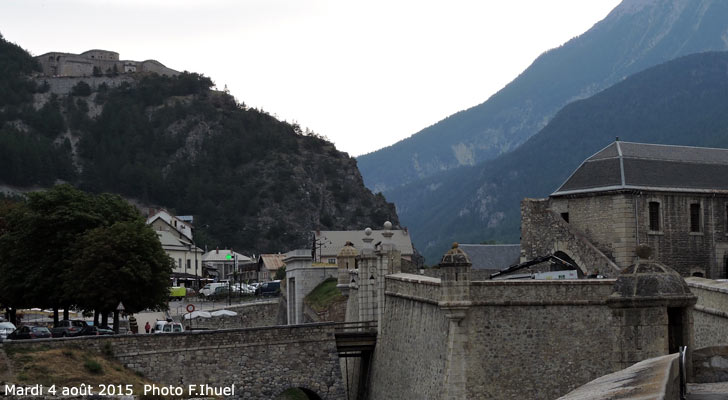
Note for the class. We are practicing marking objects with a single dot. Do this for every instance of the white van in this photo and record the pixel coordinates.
(210, 288)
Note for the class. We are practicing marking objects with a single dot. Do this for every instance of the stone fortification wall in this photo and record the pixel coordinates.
(414, 287)
(351, 366)
(544, 232)
(566, 325)
(67, 64)
(710, 314)
(475, 274)
(64, 85)
(409, 360)
(541, 292)
(253, 315)
(252, 359)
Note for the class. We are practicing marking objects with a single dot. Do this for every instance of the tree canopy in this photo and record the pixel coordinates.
(66, 248)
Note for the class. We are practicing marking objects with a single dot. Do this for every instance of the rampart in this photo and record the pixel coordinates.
(252, 359)
(710, 314)
(504, 326)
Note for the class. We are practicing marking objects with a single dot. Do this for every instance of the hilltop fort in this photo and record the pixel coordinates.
(96, 63)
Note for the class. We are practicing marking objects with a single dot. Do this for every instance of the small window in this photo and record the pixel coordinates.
(189, 264)
(694, 217)
(179, 260)
(565, 216)
(654, 216)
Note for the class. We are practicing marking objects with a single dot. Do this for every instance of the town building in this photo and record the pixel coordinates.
(328, 244)
(175, 234)
(226, 265)
(673, 199)
(268, 265)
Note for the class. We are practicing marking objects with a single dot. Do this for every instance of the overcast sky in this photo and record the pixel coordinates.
(365, 74)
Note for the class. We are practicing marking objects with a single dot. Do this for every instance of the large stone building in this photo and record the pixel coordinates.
(328, 244)
(96, 62)
(672, 198)
(175, 234)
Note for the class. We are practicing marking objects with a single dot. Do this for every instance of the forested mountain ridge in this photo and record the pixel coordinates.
(680, 102)
(253, 183)
(636, 35)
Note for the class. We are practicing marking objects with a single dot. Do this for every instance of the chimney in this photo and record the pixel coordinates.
(217, 250)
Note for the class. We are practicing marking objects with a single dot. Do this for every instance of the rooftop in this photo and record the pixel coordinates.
(627, 165)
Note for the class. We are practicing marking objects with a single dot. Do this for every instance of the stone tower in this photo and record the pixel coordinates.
(347, 260)
(651, 303)
(455, 302)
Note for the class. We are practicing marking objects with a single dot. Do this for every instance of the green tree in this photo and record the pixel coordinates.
(123, 262)
(49, 242)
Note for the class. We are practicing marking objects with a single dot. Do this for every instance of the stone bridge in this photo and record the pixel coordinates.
(260, 362)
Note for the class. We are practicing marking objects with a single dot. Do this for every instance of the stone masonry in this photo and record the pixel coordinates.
(261, 362)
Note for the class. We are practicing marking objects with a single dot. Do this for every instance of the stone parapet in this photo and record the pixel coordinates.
(710, 313)
(541, 292)
(252, 359)
(414, 287)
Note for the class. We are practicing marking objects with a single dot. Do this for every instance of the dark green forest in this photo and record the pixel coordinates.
(253, 183)
(681, 102)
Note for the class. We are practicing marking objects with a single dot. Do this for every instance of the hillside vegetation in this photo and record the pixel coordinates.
(680, 102)
(252, 182)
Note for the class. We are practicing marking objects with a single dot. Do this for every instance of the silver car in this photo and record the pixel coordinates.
(6, 328)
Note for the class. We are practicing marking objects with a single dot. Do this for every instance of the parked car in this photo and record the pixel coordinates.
(243, 288)
(158, 326)
(221, 292)
(30, 332)
(91, 330)
(209, 289)
(272, 288)
(68, 328)
(170, 327)
(6, 328)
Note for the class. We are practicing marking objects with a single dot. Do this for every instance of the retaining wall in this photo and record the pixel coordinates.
(261, 362)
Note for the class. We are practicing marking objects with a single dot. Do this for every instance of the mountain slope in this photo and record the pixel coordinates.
(635, 35)
(681, 102)
(252, 182)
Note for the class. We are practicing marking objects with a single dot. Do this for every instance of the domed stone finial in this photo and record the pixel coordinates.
(348, 250)
(368, 231)
(387, 225)
(455, 256)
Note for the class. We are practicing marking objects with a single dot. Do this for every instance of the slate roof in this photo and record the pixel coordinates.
(334, 241)
(492, 256)
(272, 262)
(627, 165)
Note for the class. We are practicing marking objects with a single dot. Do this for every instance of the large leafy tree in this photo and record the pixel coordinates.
(123, 262)
(50, 242)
